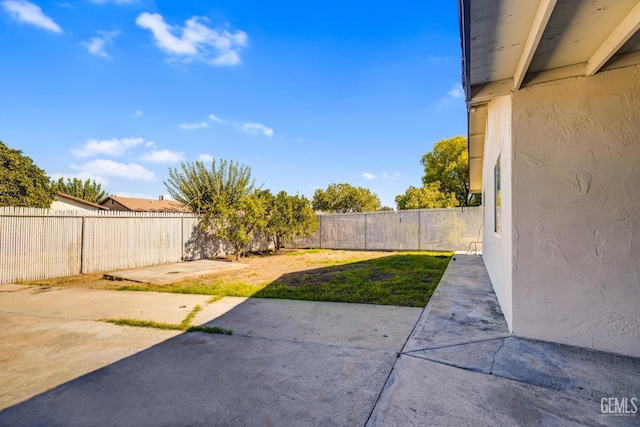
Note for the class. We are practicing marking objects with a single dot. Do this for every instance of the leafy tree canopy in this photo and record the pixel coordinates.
(88, 190)
(345, 198)
(427, 197)
(289, 217)
(22, 183)
(232, 208)
(448, 164)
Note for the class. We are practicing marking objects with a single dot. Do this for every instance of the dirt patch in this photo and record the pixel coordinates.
(263, 268)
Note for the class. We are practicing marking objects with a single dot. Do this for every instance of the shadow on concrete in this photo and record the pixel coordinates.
(288, 363)
(315, 363)
(206, 379)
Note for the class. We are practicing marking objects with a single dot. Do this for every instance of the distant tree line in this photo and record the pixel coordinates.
(233, 209)
(88, 190)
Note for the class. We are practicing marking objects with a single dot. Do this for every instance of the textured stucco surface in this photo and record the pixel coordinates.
(497, 248)
(576, 212)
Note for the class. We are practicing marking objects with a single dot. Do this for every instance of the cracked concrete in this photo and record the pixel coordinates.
(461, 366)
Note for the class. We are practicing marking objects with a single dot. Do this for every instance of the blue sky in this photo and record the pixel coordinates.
(305, 93)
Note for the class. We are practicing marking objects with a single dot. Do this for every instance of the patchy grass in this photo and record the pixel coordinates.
(144, 324)
(306, 252)
(186, 322)
(395, 278)
(168, 326)
(185, 325)
(210, 330)
(375, 277)
(217, 287)
(406, 279)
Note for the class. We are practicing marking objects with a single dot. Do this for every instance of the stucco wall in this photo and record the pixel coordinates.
(70, 205)
(576, 211)
(497, 247)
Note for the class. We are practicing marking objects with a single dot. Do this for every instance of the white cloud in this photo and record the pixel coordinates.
(390, 177)
(192, 126)
(163, 156)
(214, 118)
(196, 41)
(205, 157)
(138, 113)
(96, 45)
(456, 92)
(81, 175)
(102, 167)
(255, 128)
(109, 147)
(29, 13)
(368, 175)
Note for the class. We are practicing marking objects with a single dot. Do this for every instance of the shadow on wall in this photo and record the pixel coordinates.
(203, 245)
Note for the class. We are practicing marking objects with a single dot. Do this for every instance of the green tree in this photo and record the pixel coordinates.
(289, 217)
(448, 164)
(345, 198)
(427, 197)
(22, 183)
(88, 190)
(231, 207)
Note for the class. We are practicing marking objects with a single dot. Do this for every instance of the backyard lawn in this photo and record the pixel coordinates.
(372, 277)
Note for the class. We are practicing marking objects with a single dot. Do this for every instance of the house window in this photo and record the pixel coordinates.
(498, 198)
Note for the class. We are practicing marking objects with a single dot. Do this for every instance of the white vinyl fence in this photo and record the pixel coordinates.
(40, 243)
(421, 229)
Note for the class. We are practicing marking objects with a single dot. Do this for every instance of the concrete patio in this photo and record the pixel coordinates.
(307, 363)
(461, 367)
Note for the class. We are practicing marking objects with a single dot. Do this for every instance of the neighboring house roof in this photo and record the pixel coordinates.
(143, 205)
(509, 45)
(69, 200)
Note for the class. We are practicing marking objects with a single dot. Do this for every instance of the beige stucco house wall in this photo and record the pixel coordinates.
(497, 245)
(566, 265)
(69, 203)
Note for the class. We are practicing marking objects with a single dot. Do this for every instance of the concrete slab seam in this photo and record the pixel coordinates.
(384, 386)
(415, 325)
(48, 316)
(440, 362)
(408, 353)
(398, 354)
(318, 343)
(493, 359)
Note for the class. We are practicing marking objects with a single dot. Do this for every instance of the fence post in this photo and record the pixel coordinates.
(420, 230)
(82, 245)
(365, 231)
(182, 238)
